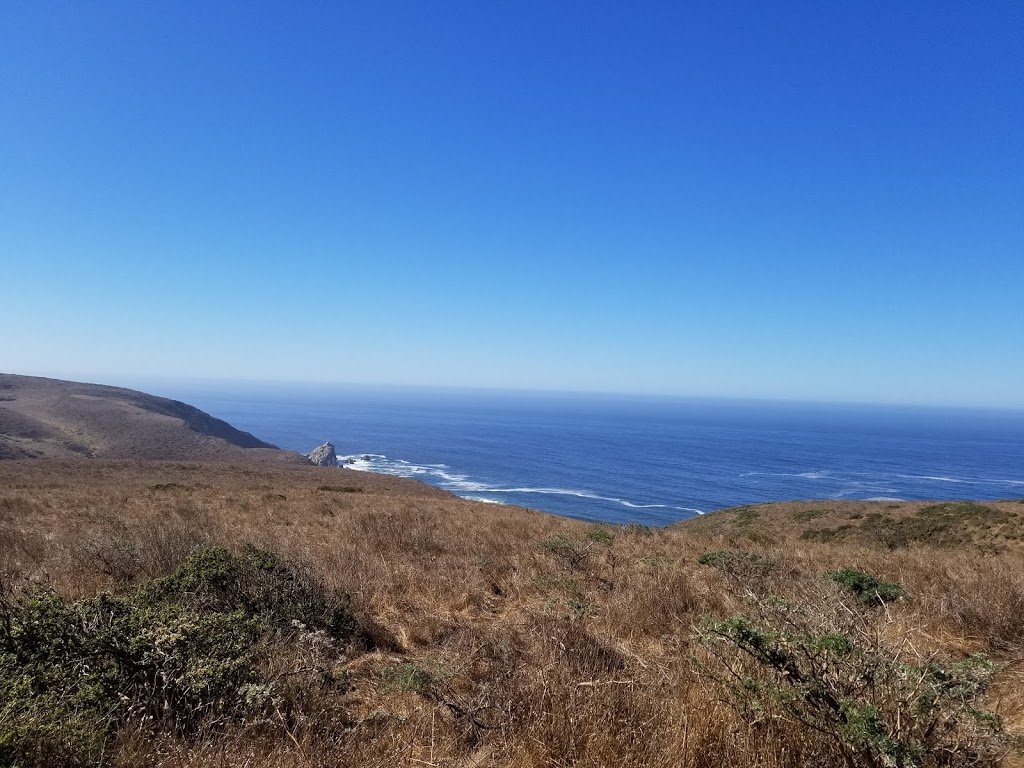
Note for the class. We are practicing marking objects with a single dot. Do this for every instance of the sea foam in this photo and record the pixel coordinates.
(462, 485)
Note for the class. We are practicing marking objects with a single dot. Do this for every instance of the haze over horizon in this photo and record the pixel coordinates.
(785, 201)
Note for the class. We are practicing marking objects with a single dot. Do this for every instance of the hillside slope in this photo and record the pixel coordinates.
(50, 418)
(498, 637)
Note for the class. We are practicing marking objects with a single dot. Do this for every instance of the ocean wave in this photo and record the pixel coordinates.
(964, 480)
(461, 484)
(817, 475)
(859, 487)
(594, 496)
(938, 479)
(869, 480)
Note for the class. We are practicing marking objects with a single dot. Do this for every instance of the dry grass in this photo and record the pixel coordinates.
(507, 637)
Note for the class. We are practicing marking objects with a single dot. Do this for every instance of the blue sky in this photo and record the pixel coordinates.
(789, 200)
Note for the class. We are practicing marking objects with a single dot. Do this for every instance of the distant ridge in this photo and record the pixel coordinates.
(50, 418)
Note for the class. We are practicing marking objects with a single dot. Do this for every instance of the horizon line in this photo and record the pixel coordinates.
(523, 391)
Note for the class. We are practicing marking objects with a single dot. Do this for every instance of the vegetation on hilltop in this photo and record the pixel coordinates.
(208, 615)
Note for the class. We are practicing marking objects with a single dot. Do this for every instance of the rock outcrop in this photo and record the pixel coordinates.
(323, 455)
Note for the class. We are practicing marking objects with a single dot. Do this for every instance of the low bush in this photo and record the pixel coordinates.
(868, 589)
(948, 524)
(567, 551)
(178, 652)
(746, 515)
(601, 536)
(856, 701)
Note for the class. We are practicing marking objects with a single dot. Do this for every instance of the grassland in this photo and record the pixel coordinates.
(347, 619)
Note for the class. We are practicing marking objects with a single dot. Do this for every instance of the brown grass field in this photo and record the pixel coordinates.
(501, 636)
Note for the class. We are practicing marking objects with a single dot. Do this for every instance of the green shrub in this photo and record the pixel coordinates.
(181, 651)
(746, 515)
(570, 553)
(947, 524)
(556, 543)
(45, 717)
(258, 583)
(601, 536)
(857, 700)
(866, 587)
(50, 727)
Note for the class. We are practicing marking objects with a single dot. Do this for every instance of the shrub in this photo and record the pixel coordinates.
(564, 549)
(181, 651)
(259, 583)
(601, 536)
(746, 515)
(834, 680)
(947, 524)
(866, 587)
(556, 543)
(45, 719)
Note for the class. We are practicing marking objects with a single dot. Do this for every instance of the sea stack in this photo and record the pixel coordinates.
(323, 455)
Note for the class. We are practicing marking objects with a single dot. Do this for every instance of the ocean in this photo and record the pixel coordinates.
(643, 460)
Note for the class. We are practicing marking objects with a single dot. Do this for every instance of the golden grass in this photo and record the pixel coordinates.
(542, 643)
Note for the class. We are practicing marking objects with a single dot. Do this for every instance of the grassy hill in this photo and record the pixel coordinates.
(49, 418)
(979, 527)
(193, 614)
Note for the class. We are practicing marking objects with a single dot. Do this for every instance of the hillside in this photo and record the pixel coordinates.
(296, 616)
(990, 526)
(49, 418)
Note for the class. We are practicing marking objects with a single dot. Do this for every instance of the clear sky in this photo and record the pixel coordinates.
(820, 200)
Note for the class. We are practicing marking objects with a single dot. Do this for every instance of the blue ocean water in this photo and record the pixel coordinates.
(635, 459)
